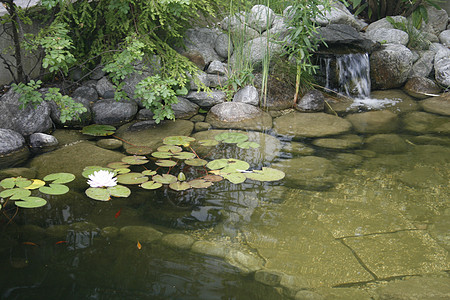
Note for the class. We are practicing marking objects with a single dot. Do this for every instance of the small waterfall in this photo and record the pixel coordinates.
(348, 74)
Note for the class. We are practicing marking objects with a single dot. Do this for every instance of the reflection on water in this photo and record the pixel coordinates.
(385, 216)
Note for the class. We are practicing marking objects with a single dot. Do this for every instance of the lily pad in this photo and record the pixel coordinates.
(119, 191)
(135, 160)
(228, 165)
(164, 178)
(36, 183)
(169, 148)
(9, 183)
(139, 150)
(165, 163)
(248, 145)
(231, 137)
(179, 140)
(98, 130)
(148, 172)
(195, 162)
(184, 155)
(59, 177)
(100, 194)
(117, 165)
(151, 185)
(181, 176)
(15, 193)
(122, 171)
(208, 143)
(89, 170)
(213, 178)
(161, 154)
(132, 178)
(200, 183)
(179, 186)
(54, 189)
(266, 174)
(235, 177)
(31, 202)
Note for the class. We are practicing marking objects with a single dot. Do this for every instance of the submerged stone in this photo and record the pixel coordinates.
(245, 262)
(386, 143)
(437, 105)
(418, 287)
(110, 144)
(423, 122)
(347, 160)
(341, 142)
(298, 148)
(343, 293)
(374, 121)
(423, 177)
(178, 240)
(269, 277)
(210, 248)
(143, 234)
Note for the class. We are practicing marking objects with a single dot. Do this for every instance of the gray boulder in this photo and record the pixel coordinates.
(442, 67)
(223, 45)
(444, 38)
(384, 23)
(86, 92)
(257, 49)
(437, 20)
(312, 101)
(343, 34)
(80, 120)
(260, 18)
(421, 87)
(202, 40)
(390, 66)
(206, 99)
(424, 65)
(41, 142)
(184, 109)
(13, 149)
(338, 14)
(111, 112)
(248, 94)
(217, 68)
(388, 35)
(27, 120)
(237, 26)
(105, 88)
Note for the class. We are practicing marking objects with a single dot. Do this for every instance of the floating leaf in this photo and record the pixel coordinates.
(135, 160)
(148, 172)
(54, 189)
(122, 171)
(98, 130)
(179, 186)
(31, 202)
(117, 165)
(15, 193)
(196, 162)
(139, 150)
(165, 163)
(164, 178)
(59, 177)
(231, 137)
(235, 177)
(151, 185)
(89, 170)
(8, 183)
(37, 183)
(181, 176)
(208, 143)
(200, 183)
(248, 145)
(119, 191)
(266, 174)
(100, 194)
(132, 178)
(179, 140)
(22, 182)
(184, 155)
(213, 178)
(160, 154)
(170, 148)
(228, 165)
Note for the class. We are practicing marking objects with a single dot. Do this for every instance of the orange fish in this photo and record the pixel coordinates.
(139, 246)
(118, 213)
(61, 242)
(30, 243)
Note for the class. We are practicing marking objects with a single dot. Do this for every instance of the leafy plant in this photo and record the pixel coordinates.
(69, 109)
(416, 38)
(28, 93)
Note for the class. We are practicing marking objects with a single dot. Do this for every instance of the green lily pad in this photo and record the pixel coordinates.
(98, 130)
(15, 193)
(165, 163)
(139, 150)
(195, 162)
(54, 189)
(248, 145)
(100, 194)
(36, 183)
(122, 171)
(164, 178)
(179, 186)
(208, 143)
(213, 178)
(266, 174)
(184, 155)
(179, 140)
(235, 177)
(231, 137)
(119, 191)
(160, 154)
(151, 185)
(148, 173)
(89, 170)
(59, 177)
(228, 165)
(31, 202)
(169, 148)
(135, 160)
(117, 165)
(23, 182)
(132, 178)
(9, 183)
(200, 183)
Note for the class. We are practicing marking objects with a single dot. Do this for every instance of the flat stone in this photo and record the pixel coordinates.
(298, 148)
(437, 105)
(414, 288)
(206, 99)
(310, 125)
(245, 262)
(386, 143)
(347, 160)
(110, 144)
(422, 122)
(210, 248)
(143, 234)
(269, 277)
(399, 254)
(342, 142)
(202, 126)
(178, 240)
(374, 121)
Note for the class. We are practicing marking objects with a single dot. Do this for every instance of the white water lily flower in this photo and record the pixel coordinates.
(102, 178)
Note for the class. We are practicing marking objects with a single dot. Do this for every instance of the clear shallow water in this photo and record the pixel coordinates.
(385, 216)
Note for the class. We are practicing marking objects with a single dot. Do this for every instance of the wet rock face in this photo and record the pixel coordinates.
(419, 87)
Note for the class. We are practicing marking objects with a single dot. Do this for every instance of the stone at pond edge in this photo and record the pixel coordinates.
(245, 262)
(110, 144)
(422, 122)
(386, 143)
(341, 142)
(41, 142)
(16, 172)
(184, 109)
(13, 149)
(112, 112)
(178, 240)
(437, 105)
(312, 101)
(143, 234)
(210, 248)
(269, 277)
(374, 121)
(310, 125)
(418, 87)
(109, 232)
(236, 115)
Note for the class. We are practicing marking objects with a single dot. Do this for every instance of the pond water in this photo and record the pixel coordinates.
(363, 216)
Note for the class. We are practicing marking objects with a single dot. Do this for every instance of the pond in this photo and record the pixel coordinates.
(353, 215)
